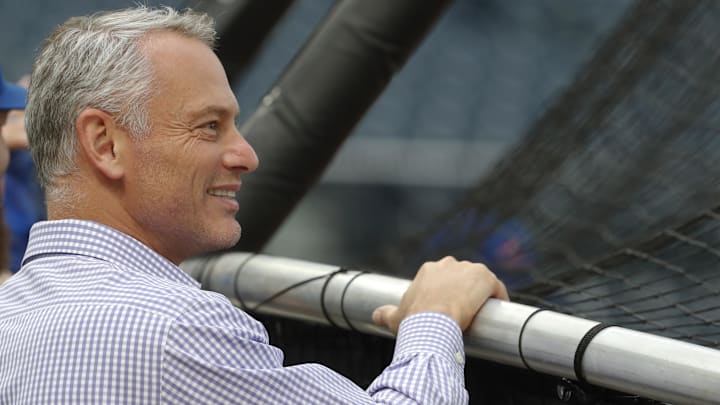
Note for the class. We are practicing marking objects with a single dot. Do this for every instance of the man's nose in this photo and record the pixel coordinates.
(241, 155)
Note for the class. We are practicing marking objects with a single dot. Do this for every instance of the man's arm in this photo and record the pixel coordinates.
(217, 353)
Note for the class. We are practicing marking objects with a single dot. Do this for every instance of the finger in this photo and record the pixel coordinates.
(384, 315)
(501, 291)
(446, 259)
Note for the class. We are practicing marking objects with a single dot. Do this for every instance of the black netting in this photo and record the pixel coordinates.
(606, 209)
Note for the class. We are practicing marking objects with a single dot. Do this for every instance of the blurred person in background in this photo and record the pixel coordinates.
(131, 122)
(24, 200)
(12, 97)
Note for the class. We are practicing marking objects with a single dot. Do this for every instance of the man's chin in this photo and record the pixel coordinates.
(229, 238)
(213, 239)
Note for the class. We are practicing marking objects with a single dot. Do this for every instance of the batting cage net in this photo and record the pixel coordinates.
(607, 210)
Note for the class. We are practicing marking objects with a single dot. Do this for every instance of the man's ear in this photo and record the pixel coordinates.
(99, 139)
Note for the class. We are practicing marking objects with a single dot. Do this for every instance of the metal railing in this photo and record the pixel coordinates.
(514, 334)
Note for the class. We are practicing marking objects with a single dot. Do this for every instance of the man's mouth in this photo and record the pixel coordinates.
(222, 193)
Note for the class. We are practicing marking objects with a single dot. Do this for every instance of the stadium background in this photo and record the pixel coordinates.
(533, 104)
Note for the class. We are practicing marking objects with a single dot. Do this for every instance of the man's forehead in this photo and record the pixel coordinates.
(190, 81)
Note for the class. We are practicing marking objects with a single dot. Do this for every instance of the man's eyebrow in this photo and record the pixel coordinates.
(214, 109)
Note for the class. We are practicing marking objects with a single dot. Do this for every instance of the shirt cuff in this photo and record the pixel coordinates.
(432, 333)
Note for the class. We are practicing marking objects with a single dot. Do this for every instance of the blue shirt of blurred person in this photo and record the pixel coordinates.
(24, 203)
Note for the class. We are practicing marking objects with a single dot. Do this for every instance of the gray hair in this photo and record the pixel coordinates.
(97, 61)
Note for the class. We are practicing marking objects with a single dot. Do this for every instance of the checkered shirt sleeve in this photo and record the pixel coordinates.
(96, 317)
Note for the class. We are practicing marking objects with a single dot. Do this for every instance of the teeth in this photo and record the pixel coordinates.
(222, 193)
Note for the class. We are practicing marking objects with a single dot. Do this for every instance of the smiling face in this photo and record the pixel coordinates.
(182, 179)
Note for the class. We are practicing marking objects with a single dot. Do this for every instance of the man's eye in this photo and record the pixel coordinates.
(213, 125)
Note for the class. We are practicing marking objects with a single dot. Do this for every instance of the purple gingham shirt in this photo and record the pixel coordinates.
(95, 316)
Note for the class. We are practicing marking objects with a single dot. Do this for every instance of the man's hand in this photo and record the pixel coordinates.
(457, 289)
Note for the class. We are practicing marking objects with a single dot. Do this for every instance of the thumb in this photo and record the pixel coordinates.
(385, 316)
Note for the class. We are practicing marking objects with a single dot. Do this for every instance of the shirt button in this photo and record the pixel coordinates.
(459, 358)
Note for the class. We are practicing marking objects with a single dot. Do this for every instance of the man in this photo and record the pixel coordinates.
(132, 124)
(12, 97)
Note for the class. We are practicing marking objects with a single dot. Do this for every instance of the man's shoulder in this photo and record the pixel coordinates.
(188, 308)
(91, 282)
(164, 296)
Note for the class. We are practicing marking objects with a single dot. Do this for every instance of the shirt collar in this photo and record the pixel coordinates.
(87, 238)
